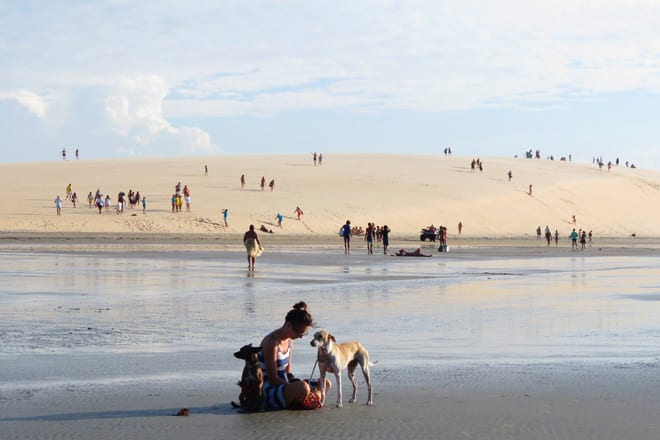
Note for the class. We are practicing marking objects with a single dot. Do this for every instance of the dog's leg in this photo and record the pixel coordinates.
(322, 385)
(367, 379)
(352, 365)
(339, 396)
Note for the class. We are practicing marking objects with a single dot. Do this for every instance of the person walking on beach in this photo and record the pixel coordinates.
(369, 238)
(99, 203)
(90, 199)
(242, 181)
(548, 235)
(510, 174)
(538, 233)
(574, 239)
(144, 205)
(206, 170)
(279, 218)
(460, 228)
(271, 185)
(263, 182)
(583, 239)
(345, 232)
(74, 199)
(186, 196)
(63, 153)
(120, 202)
(556, 237)
(530, 189)
(314, 155)
(179, 203)
(320, 159)
(252, 246)
(69, 191)
(225, 215)
(77, 154)
(385, 231)
(58, 205)
(298, 212)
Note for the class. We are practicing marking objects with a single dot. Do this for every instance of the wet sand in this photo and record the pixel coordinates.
(108, 338)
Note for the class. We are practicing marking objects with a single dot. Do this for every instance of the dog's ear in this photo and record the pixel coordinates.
(332, 337)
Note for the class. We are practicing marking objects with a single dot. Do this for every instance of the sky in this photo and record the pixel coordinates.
(119, 79)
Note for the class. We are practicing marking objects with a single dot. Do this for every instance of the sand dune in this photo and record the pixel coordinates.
(404, 192)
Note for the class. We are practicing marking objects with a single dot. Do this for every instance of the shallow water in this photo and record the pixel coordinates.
(101, 315)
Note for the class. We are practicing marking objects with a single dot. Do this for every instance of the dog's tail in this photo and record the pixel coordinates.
(372, 363)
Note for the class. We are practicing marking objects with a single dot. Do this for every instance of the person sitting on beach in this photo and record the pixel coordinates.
(281, 389)
(357, 230)
(404, 253)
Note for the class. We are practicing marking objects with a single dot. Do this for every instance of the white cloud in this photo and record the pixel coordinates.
(135, 110)
(36, 104)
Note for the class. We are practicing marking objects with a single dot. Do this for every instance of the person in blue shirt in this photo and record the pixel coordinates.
(346, 233)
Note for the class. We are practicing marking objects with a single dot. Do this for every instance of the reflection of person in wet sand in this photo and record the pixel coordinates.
(404, 253)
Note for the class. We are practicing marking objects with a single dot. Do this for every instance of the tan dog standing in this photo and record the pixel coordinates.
(334, 358)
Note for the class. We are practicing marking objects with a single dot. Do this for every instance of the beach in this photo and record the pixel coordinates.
(110, 341)
(110, 323)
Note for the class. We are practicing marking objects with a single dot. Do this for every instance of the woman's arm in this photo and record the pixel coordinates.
(269, 349)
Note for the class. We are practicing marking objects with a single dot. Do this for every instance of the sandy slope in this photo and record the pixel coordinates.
(405, 192)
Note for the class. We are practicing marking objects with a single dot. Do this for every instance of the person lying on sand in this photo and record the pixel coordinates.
(265, 229)
(404, 253)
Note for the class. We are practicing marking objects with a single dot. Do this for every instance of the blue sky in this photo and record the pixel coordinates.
(173, 78)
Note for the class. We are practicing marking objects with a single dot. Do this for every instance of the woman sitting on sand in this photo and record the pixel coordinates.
(281, 389)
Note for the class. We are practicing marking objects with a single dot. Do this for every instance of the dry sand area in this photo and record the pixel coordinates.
(404, 192)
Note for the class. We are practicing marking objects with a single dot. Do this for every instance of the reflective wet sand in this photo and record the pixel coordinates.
(84, 323)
